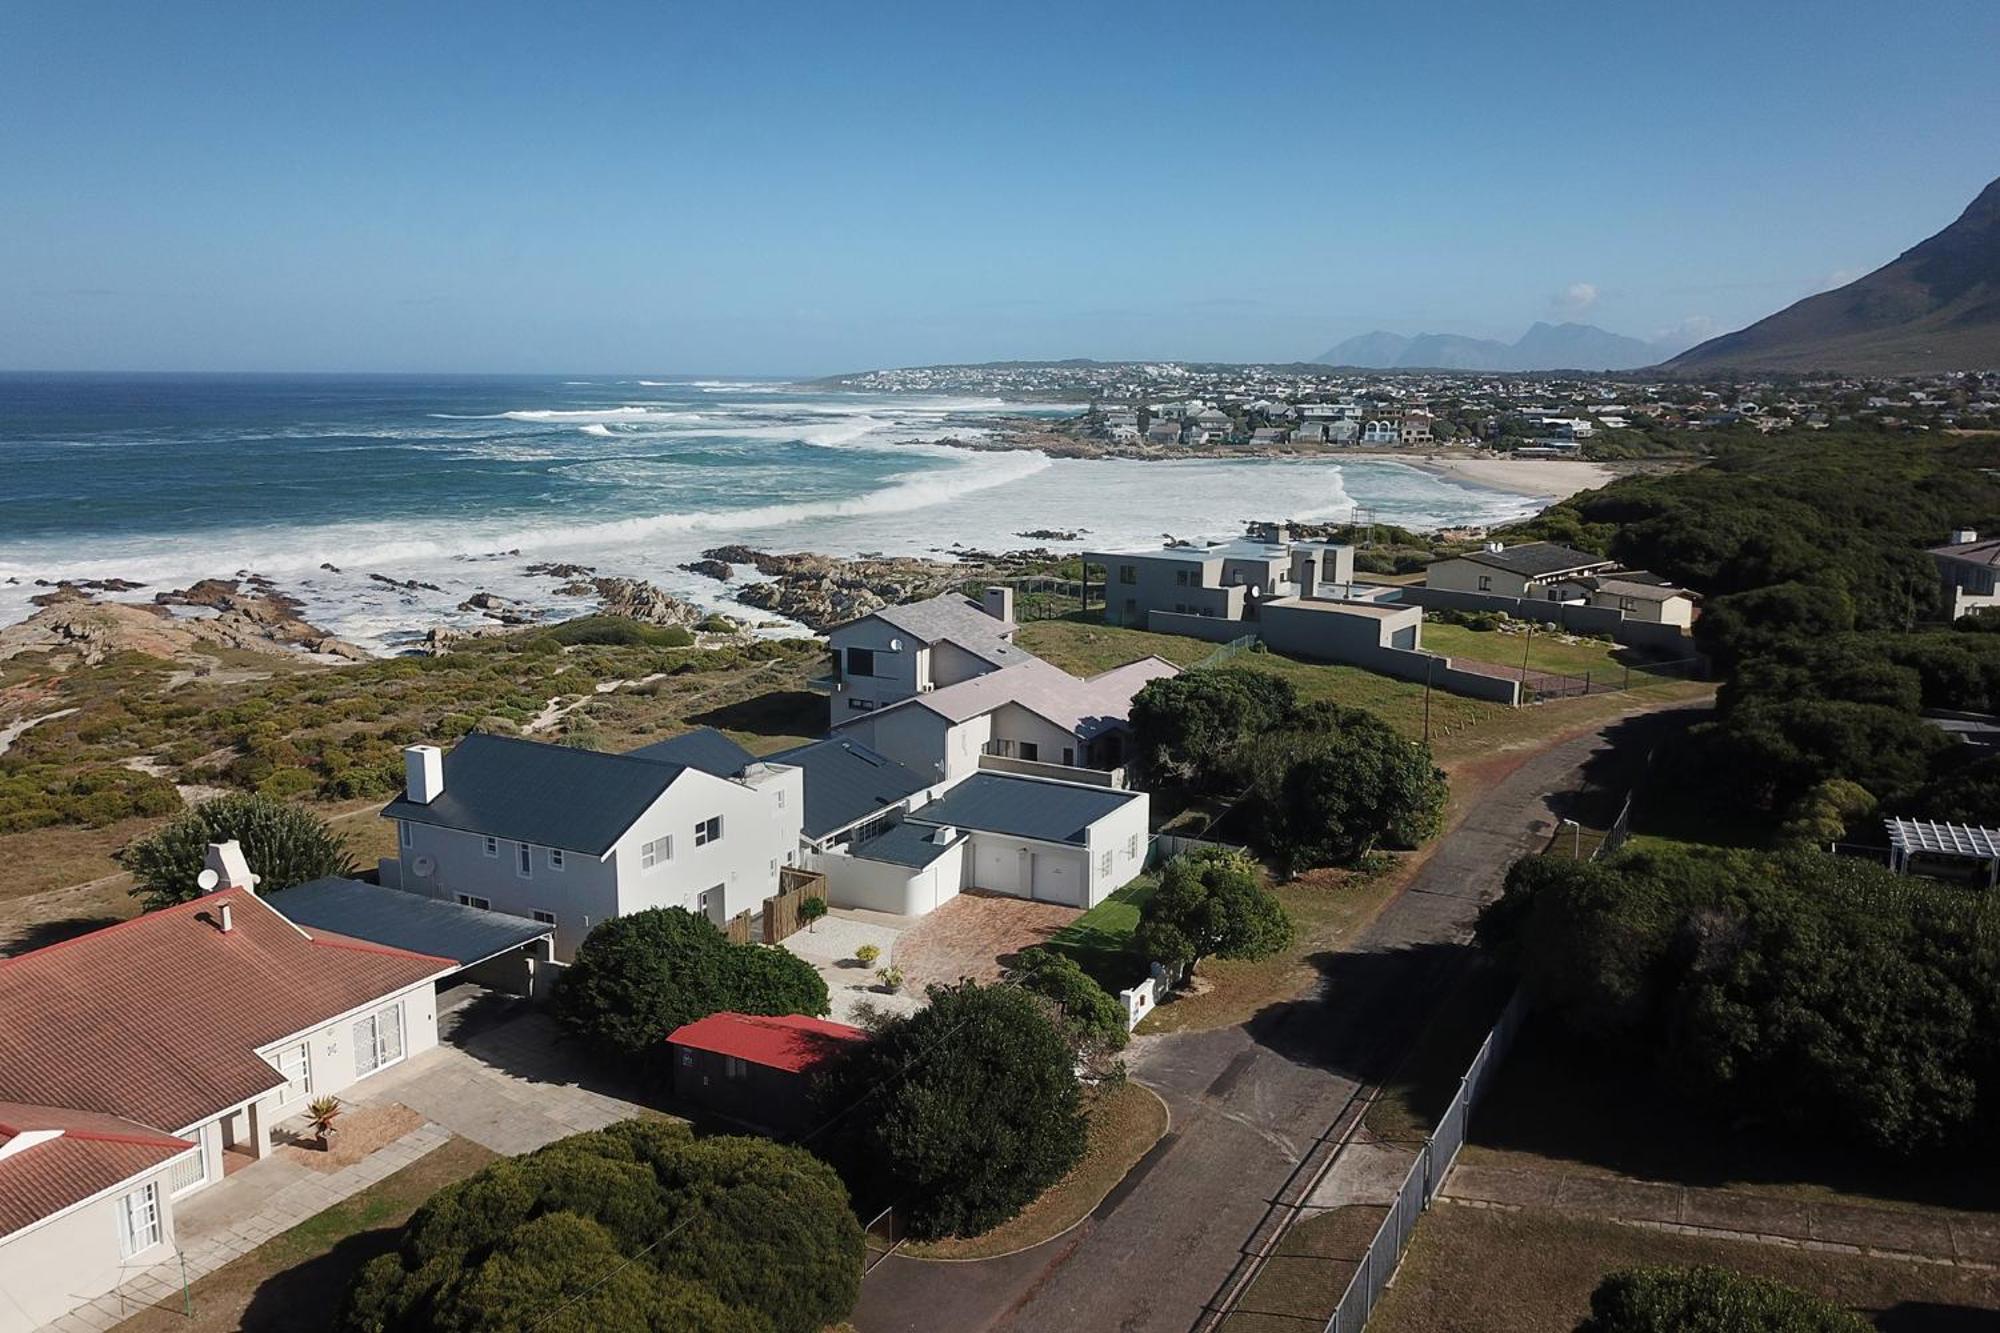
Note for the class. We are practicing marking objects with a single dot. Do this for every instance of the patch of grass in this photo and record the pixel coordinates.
(1477, 1268)
(1101, 939)
(1126, 1120)
(1550, 651)
(1304, 1276)
(1557, 1105)
(295, 1280)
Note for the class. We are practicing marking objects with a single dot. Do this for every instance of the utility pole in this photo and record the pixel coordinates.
(1429, 670)
(1526, 644)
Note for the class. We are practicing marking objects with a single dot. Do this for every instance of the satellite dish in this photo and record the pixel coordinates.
(423, 865)
(207, 880)
(895, 645)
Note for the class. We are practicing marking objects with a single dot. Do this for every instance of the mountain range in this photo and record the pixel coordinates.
(1566, 346)
(1935, 307)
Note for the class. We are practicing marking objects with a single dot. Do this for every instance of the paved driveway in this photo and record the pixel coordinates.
(1249, 1105)
(512, 1085)
(975, 935)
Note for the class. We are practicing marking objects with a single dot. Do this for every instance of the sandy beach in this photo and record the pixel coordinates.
(1545, 478)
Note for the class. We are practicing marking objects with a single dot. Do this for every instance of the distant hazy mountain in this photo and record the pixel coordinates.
(1936, 307)
(1542, 347)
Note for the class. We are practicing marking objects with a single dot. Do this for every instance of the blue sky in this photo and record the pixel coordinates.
(781, 189)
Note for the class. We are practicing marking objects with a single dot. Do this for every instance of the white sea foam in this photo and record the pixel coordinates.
(597, 428)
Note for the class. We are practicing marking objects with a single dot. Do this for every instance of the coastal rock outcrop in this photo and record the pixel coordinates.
(248, 614)
(714, 569)
(637, 599)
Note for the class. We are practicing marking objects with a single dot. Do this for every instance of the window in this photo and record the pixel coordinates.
(555, 858)
(1128, 574)
(403, 833)
(296, 1066)
(704, 900)
(781, 800)
(708, 830)
(1132, 845)
(378, 1040)
(1030, 751)
(1181, 578)
(1069, 756)
(545, 918)
(1104, 863)
(524, 860)
(860, 661)
(1131, 607)
(656, 853)
(1486, 583)
(861, 705)
(188, 1172)
(493, 846)
(734, 1066)
(474, 900)
(139, 1220)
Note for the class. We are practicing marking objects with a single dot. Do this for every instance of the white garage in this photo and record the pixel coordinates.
(1057, 842)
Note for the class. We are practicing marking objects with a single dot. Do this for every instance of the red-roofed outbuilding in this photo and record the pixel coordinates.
(755, 1068)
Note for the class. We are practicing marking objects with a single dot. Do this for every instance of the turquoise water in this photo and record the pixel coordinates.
(462, 482)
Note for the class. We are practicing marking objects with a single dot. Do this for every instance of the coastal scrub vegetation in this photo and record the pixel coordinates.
(639, 1226)
(1315, 784)
(638, 977)
(1210, 903)
(1822, 994)
(283, 844)
(962, 1112)
(1709, 1299)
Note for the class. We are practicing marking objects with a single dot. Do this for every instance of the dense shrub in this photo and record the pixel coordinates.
(1709, 1300)
(1190, 730)
(1092, 1016)
(284, 845)
(1338, 782)
(642, 1226)
(43, 795)
(1210, 903)
(636, 978)
(964, 1111)
(1824, 993)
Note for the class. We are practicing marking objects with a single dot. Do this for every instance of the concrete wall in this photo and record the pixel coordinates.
(1198, 627)
(67, 1261)
(1162, 582)
(1576, 619)
(1097, 777)
(879, 886)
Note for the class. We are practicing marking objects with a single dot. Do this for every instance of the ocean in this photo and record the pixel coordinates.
(319, 482)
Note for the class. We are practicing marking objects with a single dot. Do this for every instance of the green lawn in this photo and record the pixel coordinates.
(1101, 939)
(1555, 653)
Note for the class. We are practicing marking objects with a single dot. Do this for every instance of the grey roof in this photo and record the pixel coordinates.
(1086, 708)
(549, 795)
(902, 845)
(847, 782)
(1985, 552)
(1024, 807)
(1537, 559)
(406, 920)
(947, 617)
(704, 748)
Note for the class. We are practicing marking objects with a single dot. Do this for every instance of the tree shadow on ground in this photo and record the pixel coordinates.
(307, 1296)
(1367, 1011)
(1931, 1317)
(41, 934)
(779, 713)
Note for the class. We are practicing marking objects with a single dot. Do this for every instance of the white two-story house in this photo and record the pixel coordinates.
(569, 837)
(900, 652)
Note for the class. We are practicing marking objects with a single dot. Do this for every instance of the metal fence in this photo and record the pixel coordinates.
(1426, 1177)
(1558, 685)
(1227, 652)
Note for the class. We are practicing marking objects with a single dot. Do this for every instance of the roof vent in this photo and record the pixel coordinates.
(945, 835)
(227, 921)
(1963, 536)
(1495, 548)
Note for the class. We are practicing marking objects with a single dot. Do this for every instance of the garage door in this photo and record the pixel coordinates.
(996, 865)
(1058, 879)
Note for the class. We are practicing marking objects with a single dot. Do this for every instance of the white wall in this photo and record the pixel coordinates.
(1018, 725)
(878, 886)
(923, 741)
(67, 1261)
(1123, 834)
(899, 672)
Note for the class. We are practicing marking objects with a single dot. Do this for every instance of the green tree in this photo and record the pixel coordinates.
(284, 845)
(1092, 1016)
(965, 1110)
(1210, 903)
(1337, 784)
(1709, 1300)
(636, 978)
(1189, 730)
(639, 1226)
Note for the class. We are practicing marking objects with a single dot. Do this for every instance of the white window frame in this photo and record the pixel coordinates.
(556, 859)
(198, 1159)
(1104, 862)
(474, 900)
(377, 1048)
(703, 836)
(139, 1224)
(1132, 846)
(543, 917)
(303, 1052)
(492, 845)
(656, 853)
(524, 860)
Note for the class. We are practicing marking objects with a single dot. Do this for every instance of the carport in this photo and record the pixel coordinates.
(1916, 842)
(492, 949)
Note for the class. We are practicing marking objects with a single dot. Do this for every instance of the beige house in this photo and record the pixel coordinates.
(1639, 595)
(143, 1062)
(1539, 570)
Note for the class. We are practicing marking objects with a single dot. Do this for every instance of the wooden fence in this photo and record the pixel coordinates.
(781, 912)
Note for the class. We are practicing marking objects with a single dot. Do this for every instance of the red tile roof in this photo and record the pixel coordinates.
(91, 1153)
(159, 1019)
(793, 1042)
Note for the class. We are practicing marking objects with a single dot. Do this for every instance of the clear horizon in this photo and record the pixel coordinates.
(792, 191)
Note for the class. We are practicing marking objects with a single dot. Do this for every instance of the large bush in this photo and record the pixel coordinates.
(1190, 730)
(284, 845)
(640, 1226)
(1210, 903)
(636, 978)
(1339, 782)
(962, 1112)
(1709, 1300)
(1093, 1017)
(1822, 993)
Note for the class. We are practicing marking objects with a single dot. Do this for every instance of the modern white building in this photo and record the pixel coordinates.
(900, 652)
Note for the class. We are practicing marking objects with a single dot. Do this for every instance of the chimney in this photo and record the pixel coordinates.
(227, 920)
(944, 835)
(423, 773)
(1963, 536)
(999, 603)
(225, 868)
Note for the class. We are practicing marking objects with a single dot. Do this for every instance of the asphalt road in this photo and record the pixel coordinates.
(1249, 1103)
